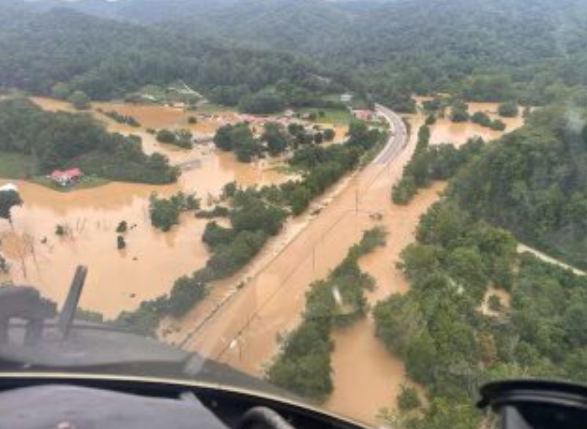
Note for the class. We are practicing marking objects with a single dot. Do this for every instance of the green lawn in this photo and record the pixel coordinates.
(213, 108)
(15, 165)
(331, 116)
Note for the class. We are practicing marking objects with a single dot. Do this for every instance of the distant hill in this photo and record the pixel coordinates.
(531, 50)
(40, 47)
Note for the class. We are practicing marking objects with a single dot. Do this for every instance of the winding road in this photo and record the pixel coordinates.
(398, 138)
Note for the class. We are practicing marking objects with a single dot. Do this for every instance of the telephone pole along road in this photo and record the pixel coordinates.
(244, 331)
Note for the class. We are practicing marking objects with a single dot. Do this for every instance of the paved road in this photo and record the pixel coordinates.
(398, 138)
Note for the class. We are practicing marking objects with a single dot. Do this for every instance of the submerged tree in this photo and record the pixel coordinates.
(9, 200)
(122, 227)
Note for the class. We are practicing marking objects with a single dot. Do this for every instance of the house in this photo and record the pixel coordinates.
(363, 115)
(346, 98)
(67, 177)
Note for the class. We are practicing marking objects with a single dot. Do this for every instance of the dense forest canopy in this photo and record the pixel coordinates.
(106, 58)
(534, 183)
(530, 50)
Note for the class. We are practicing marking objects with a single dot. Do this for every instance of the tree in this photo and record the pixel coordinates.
(223, 138)
(430, 120)
(120, 242)
(216, 235)
(329, 134)
(122, 227)
(61, 91)
(4, 265)
(79, 100)
(498, 125)
(508, 109)
(229, 190)
(408, 399)
(459, 112)
(166, 136)
(186, 292)
(423, 138)
(482, 119)
(164, 213)
(245, 145)
(9, 200)
(318, 138)
(275, 136)
(295, 129)
(300, 199)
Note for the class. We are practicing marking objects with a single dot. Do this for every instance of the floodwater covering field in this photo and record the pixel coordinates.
(120, 280)
(244, 333)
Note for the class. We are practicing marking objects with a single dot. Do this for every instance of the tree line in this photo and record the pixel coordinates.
(59, 140)
(430, 163)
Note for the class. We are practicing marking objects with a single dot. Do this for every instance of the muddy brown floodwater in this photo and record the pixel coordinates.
(244, 332)
(238, 326)
(118, 280)
(446, 131)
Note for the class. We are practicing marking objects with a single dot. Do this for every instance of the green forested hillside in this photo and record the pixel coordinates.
(533, 182)
(108, 58)
(452, 344)
(486, 50)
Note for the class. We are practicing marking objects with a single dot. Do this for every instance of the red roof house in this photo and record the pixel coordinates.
(66, 177)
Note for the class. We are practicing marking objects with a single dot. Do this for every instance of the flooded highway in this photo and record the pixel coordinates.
(245, 332)
(242, 319)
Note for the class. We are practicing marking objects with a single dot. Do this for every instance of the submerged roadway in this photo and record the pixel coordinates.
(243, 331)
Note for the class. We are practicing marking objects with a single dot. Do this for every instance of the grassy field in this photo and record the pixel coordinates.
(213, 108)
(15, 165)
(331, 116)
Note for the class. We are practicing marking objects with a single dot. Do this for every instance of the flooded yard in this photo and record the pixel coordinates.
(119, 280)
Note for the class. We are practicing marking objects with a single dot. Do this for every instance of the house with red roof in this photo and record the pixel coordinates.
(364, 115)
(66, 177)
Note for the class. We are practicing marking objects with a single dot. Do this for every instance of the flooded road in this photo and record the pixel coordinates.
(245, 332)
